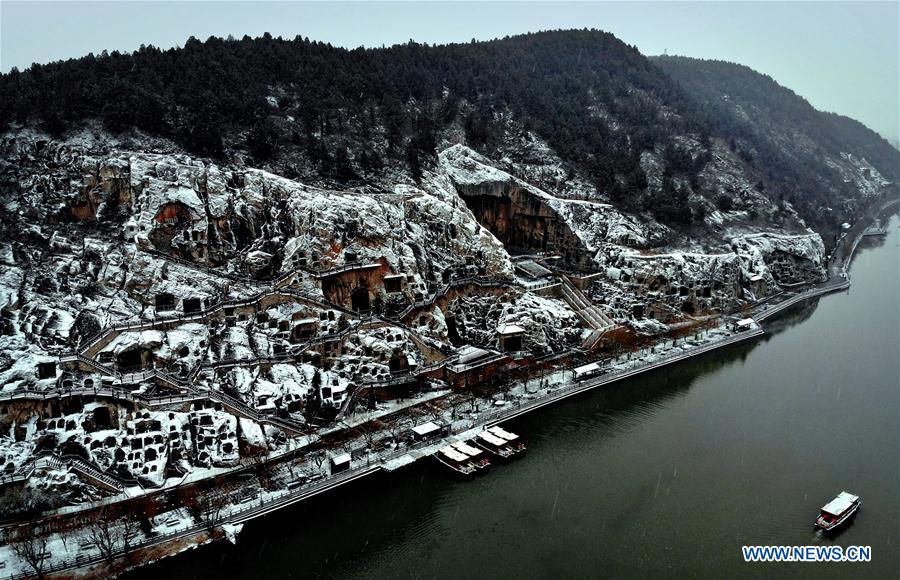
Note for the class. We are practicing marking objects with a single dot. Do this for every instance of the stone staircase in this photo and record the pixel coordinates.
(588, 312)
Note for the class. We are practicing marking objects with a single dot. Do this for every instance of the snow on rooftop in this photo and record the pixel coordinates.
(341, 459)
(840, 504)
(533, 269)
(491, 438)
(453, 454)
(426, 428)
(468, 353)
(744, 322)
(588, 368)
(507, 329)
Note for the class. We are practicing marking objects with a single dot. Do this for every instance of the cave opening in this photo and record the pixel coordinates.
(359, 300)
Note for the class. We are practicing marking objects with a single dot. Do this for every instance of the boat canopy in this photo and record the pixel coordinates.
(840, 504)
(464, 447)
(499, 432)
(453, 454)
(492, 439)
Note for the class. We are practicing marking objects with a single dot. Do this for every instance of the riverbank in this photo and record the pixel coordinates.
(646, 477)
(399, 457)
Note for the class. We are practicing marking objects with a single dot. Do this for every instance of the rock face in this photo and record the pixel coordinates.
(548, 325)
(638, 283)
(516, 214)
(217, 310)
(822, 163)
(780, 260)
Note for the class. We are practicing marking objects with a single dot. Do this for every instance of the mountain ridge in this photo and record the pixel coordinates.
(628, 129)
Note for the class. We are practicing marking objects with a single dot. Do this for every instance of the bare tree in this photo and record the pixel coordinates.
(291, 465)
(262, 470)
(142, 512)
(130, 527)
(106, 535)
(318, 459)
(434, 411)
(30, 546)
(456, 403)
(398, 428)
(370, 431)
(210, 505)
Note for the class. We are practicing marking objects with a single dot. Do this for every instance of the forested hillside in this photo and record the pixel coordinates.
(308, 110)
(203, 94)
(780, 132)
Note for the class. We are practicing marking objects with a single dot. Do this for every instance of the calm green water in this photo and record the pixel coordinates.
(667, 475)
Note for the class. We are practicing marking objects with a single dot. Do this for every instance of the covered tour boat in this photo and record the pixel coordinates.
(477, 456)
(494, 445)
(456, 461)
(838, 511)
(513, 440)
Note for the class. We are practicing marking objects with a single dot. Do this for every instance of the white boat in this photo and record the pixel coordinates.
(494, 445)
(838, 511)
(456, 461)
(477, 456)
(511, 438)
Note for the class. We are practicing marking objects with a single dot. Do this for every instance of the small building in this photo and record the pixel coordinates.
(532, 269)
(510, 337)
(474, 365)
(585, 371)
(744, 324)
(428, 431)
(340, 463)
(758, 284)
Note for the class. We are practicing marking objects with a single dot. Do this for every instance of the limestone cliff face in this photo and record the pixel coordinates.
(127, 232)
(123, 206)
(647, 273)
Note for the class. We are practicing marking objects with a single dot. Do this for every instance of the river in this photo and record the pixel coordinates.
(667, 474)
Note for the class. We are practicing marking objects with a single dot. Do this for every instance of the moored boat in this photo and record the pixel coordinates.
(494, 445)
(838, 511)
(456, 461)
(477, 456)
(513, 440)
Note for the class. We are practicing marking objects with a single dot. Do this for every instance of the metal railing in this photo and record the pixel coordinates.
(769, 310)
(240, 514)
(521, 407)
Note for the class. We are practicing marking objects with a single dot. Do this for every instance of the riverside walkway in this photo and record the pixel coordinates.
(403, 455)
(370, 465)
